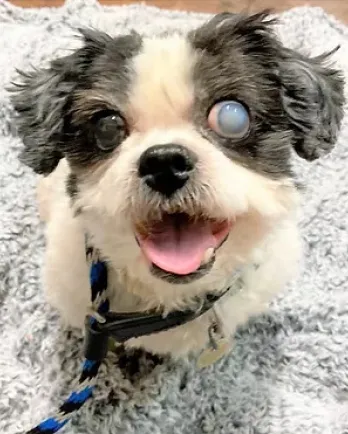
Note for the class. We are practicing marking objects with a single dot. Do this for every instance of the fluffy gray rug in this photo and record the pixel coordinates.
(288, 372)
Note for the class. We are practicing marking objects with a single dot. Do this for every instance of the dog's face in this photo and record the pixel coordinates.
(179, 147)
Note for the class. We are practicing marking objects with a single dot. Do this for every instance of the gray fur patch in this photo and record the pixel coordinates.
(241, 59)
(48, 101)
(71, 185)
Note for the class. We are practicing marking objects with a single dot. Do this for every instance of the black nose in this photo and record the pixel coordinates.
(166, 168)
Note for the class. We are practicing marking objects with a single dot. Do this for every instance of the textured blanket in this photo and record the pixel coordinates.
(288, 372)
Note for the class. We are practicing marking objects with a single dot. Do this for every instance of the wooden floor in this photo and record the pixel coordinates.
(337, 7)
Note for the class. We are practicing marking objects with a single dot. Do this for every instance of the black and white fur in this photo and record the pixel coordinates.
(163, 87)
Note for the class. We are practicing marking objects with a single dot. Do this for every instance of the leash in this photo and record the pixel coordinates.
(100, 326)
(90, 366)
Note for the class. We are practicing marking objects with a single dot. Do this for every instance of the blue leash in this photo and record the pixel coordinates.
(90, 368)
(101, 325)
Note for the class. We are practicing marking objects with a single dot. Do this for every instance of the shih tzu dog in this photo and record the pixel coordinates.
(174, 155)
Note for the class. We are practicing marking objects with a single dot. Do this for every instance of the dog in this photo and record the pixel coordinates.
(174, 154)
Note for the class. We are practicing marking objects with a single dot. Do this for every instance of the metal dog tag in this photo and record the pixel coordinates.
(218, 347)
(210, 355)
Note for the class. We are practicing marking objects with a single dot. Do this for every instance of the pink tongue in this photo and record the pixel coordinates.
(178, 248)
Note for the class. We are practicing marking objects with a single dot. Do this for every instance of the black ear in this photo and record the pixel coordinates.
(41, 100)
(313, 99)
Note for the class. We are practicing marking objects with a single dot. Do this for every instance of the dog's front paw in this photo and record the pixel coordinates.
(73, 319)
(71, 314)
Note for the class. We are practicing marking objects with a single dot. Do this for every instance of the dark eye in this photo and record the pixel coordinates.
(109, 130)
(229, 119)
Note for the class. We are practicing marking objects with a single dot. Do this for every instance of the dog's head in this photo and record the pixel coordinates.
(180, 147)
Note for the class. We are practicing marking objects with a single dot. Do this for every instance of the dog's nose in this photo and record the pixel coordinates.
(166, 168)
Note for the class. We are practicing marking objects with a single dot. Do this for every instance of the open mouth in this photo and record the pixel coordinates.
(180, 245)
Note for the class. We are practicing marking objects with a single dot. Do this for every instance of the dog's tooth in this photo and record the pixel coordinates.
(208, 255)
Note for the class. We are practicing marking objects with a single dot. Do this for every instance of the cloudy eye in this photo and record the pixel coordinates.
(229, 119)
(109, 130)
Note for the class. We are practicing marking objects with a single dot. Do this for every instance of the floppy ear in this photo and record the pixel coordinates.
(313, 99)
(41, 101)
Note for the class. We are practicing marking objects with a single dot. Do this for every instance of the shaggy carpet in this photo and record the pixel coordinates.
(288, 372)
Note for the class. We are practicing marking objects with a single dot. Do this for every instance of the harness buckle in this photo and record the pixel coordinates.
(96, 340)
